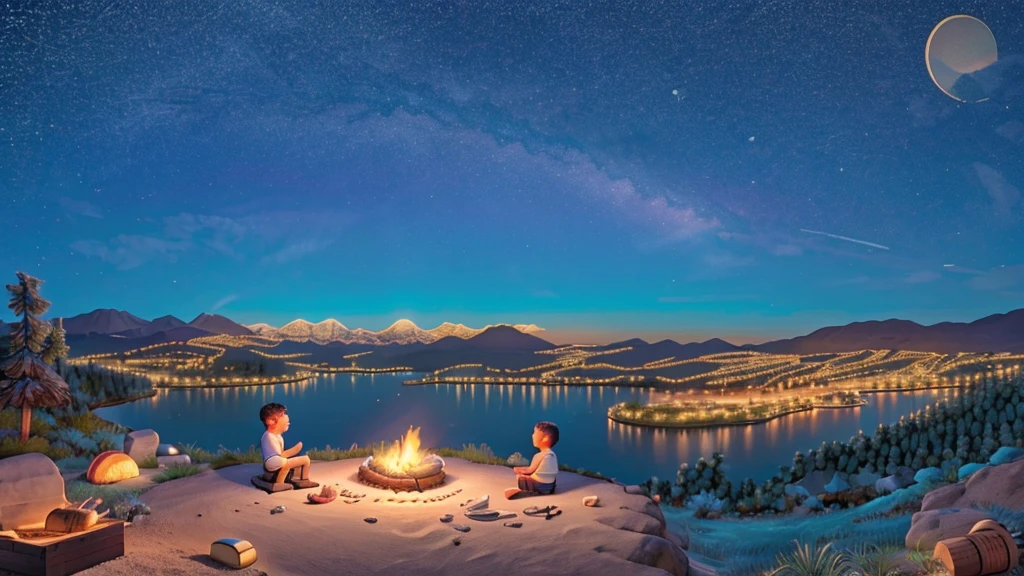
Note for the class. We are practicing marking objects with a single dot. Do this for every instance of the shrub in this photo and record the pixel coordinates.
(12, 446)
(177, 471)
(809, 560)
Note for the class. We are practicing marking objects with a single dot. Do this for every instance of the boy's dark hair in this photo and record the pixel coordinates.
(271, 410)
(550, 430)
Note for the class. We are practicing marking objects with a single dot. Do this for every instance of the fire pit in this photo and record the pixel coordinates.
(403, 467)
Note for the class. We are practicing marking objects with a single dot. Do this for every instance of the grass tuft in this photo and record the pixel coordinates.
(177, 471)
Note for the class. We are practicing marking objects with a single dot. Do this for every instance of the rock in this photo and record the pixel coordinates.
(944, 497)
(660, 553)
(797, 492)
(634, 489)
(814, 504)
(968, 469)
(999, 485)
(905, 475)
(929, 476)
(801, 511)
(591, 501)
(681, 540)
(780, 505)
(166, 450)
(929, 527)
(814, 482)
(370, 520)
(1005, 455)
(30, 487)
(838, 484)
(633, 522)
(865, 478)
(888, 484)
(179, 460)
(141, 445)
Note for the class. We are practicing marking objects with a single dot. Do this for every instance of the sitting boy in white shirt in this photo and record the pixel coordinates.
(275, 457)
(539, 476)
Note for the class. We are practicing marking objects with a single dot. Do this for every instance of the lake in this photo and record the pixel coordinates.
(341, 409)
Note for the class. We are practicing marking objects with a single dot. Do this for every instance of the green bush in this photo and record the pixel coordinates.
(150, 463)
(12, 446)
(225, 458)
(10, 419)
(329, 454)
(177, 471)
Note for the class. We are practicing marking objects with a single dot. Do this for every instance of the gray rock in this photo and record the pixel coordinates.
(929, 475)
(814, 482)
(179, 460)
(814, 504)
(905, 475)
(801, 511)
(30, 487)
(167, 450)
(888, 484)
(968, 469)
(1005, 455)
(837, 484)
(141, 445)
(634, 489)
(780, 505)
(865, 478)
(927, 528)
(660, 553)
(797, 492)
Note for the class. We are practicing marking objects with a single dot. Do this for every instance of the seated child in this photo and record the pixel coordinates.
(289, 467)
(539, 476)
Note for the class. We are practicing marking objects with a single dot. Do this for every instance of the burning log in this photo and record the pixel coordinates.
(403, 467)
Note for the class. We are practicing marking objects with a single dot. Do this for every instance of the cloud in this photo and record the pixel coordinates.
(922, 277)
(1003, 194)
(787, 250)
(224, 302)
(130, 251)
(999, 279)
(294, 251)
(222, 234)
(80, 207)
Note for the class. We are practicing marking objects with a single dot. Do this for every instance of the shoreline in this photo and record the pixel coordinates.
(124, 400)
(697, 426)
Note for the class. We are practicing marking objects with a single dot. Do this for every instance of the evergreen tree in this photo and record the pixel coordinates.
(26, 381)
(57, 346)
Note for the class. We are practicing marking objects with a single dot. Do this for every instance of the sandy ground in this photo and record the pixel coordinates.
(408, 538)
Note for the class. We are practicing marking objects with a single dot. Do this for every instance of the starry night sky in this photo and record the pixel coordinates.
(601, 169)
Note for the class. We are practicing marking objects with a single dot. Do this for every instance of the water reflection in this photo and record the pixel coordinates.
(365, 409)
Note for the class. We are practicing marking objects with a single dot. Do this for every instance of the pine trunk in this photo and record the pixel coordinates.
(26, 421)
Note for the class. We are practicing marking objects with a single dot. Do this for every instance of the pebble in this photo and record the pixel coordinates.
(513, 524)
(447, 518)
(237, 510)
(255, 502)
(370, 520)
(376, 499)
(457, 540)
(277, 510)
(199, 515)
(461, 527)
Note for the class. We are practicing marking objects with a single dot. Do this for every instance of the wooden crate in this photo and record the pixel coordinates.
(62, 555)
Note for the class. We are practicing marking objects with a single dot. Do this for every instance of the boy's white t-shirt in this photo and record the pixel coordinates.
(272, 446)
(547, 466)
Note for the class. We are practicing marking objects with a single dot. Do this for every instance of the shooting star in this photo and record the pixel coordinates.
(854, 240)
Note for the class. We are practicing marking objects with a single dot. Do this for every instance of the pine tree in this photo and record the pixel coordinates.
(27, 381)
(57, 346)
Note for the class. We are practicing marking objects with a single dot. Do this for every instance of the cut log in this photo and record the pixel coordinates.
(988, 549)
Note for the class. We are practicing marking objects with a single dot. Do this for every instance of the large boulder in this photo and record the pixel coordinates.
(1005, 455)
(888, 484)
(660, 553)
(928, 527)
(865, 478)
(141, 445)
(797, 492)
(30, 488)
(944, 497)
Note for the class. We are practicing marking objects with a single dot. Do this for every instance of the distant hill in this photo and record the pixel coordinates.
(217, 324)
(996, 333)
(103, 321)
(494, 339)
(160, 324)
(643, 353)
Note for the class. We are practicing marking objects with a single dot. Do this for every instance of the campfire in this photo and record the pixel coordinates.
(403, 467)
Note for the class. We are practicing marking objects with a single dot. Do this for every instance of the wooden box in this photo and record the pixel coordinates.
(65, 554)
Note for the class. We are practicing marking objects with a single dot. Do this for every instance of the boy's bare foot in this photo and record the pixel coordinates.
(512, 493)
(303, 484)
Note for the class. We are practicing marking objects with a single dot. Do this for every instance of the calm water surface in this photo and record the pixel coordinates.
(340, 409)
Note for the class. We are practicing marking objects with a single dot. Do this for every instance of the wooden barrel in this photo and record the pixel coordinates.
(988, 549)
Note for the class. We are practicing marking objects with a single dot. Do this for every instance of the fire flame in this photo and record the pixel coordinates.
(403, 455)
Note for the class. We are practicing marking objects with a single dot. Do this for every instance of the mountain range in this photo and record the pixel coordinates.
(124, 324)
(995, 333)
